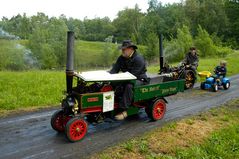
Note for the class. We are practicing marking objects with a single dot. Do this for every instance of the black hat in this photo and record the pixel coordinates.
(127, 44)
(193, 48)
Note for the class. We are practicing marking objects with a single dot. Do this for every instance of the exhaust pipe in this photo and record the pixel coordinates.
(70, 61)
(161, 59)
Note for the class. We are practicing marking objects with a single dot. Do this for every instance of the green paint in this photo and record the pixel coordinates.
(132, 110)
(91, 100)
(158, 90)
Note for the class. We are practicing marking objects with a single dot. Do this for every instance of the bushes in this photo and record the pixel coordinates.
(204, 43)
(152, 47)
(48, 43)
(223, 51)
(11, 55)
(176, 49)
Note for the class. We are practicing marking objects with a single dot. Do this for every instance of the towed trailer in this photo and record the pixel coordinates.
(95, 96)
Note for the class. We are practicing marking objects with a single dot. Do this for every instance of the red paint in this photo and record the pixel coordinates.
(58, 122)
(139, 105)
(106, 88)
(92, 109)
(159, 109)
(93, 99)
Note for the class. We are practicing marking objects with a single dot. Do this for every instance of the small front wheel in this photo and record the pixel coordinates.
(156, 110)
(202, 86)
(76, 129)
(215, 88)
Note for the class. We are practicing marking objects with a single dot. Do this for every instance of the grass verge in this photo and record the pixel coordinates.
(214, 134)
(30, 90)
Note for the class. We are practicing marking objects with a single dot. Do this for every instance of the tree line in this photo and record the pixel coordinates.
(211, 25)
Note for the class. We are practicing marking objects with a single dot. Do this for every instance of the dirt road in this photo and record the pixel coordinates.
(31, 136)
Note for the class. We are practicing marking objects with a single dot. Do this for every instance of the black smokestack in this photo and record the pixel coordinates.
(161, 52)
(70, 61)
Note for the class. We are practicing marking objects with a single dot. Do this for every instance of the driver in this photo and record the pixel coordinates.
(134, 63)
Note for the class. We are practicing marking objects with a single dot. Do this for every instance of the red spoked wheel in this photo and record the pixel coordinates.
(76, 129)
(157, 110)
(57, 121)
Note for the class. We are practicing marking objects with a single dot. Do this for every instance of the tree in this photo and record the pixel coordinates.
(97, 29)
(152, 47)
(106, 54)
(48, 40)
(204, 43)
(210, 14)
(164, 19)
(176, 49)
(128, 23)
(232, 11)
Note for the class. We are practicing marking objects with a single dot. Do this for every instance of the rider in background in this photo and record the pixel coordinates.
(191, 59)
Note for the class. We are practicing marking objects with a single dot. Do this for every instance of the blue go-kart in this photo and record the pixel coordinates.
(214, 82)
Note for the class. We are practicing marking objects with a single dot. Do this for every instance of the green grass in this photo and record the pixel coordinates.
(30, 89)
(190, 138)
(221, 144)
(94, 54)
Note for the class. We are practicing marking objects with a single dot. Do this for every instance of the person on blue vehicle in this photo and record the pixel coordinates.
(221, 70)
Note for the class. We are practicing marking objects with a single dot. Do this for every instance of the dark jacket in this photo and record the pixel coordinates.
(135, 65)
(191, 60)
(220, 71)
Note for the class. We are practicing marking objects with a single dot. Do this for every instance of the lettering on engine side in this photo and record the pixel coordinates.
(171, 89)
(149, 89)
(93, 99)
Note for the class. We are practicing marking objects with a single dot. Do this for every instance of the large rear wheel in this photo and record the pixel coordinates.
(156, 110)
(189, 79)
(76, 129)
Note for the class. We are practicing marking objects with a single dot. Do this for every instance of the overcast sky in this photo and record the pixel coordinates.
(71, 8)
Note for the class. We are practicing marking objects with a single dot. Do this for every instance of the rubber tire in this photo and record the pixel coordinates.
(58, 114)
(215, 88)
(71, 129)
(192, 82)
(152, 110)
(202, 86)
(225, 86)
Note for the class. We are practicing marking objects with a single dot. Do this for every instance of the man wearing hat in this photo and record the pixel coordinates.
(134, 63)
(191, 58)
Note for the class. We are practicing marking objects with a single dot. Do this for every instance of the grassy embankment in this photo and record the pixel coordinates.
(38, 89)
(214, 134)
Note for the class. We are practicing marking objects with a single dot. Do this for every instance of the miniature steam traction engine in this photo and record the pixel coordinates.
(96, 94)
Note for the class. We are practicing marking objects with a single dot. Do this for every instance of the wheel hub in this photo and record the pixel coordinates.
(77, 129)
(158, 110)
